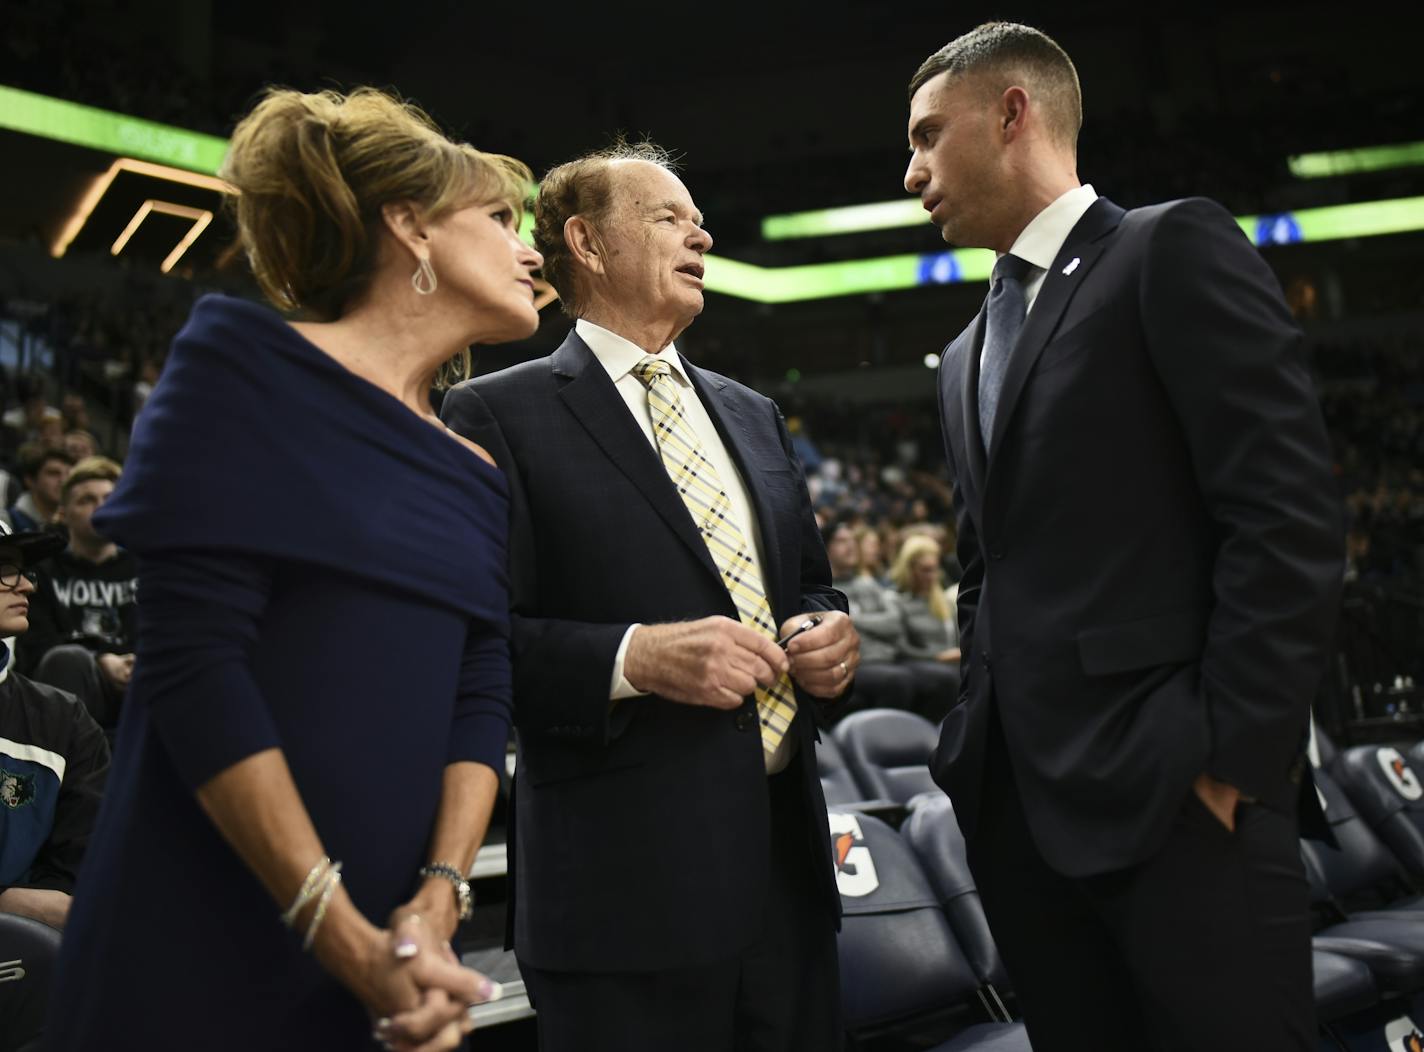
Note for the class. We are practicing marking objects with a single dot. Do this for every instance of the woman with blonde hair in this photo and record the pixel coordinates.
(307, 761)
(929, 622)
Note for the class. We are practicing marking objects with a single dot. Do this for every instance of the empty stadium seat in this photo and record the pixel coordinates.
(888, 752)
(933, 833)
(837, 782)
(1361, 864)
(1389, 942)
(1389, 795)
(1343, 986)
(899, 958)
(28, 952)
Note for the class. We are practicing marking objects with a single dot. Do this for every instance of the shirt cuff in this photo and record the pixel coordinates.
(620, 687)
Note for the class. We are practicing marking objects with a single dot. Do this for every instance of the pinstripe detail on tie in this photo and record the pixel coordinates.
(706, 500)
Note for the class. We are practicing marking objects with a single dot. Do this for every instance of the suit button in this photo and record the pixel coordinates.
(746, 719)
(985, 660)
(997, 554)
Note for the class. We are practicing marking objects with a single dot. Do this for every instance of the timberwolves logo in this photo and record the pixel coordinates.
(855, 869)
(16, 790)
(1400, 776)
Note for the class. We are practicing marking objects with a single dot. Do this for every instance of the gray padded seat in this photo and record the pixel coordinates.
(1388, 792)
(888, 751)
(899, 959)
(933, 832)
(837, 782)
(1343, 986)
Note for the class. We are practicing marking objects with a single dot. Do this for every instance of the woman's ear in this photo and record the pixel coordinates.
(405, 223)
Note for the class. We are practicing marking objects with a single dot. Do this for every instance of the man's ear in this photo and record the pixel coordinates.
(584, 243)
(407, 225)
(1014, 105)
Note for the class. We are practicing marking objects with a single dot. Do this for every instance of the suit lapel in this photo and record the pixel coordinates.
(974, 451)
(732, 425)
(1060, 284)
(599, 408)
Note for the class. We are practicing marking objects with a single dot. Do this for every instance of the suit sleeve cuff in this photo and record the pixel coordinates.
(620, 687)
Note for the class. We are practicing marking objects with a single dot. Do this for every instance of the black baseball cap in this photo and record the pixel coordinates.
(34, 546)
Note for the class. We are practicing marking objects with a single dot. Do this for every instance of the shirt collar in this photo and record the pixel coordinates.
(618, 355)
(1044, 236)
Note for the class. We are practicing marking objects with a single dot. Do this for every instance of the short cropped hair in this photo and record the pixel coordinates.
(90, 469)
(1005, 52)
(33, 456)
(581, 187)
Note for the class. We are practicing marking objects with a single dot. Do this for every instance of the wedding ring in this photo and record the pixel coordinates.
(844, 671)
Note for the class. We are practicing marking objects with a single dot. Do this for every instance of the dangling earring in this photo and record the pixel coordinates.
(423, 280)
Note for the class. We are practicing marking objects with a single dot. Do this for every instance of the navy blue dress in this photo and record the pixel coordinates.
(320, 571)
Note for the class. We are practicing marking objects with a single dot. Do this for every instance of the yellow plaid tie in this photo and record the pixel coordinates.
(706, 499)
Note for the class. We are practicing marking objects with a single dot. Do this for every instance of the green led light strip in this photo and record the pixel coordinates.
(115, 133)
(24, 111)
(1347, 162)
(852, 219)
(907, 212)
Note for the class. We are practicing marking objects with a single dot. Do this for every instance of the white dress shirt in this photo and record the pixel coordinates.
(1043, 238)
(618, 356)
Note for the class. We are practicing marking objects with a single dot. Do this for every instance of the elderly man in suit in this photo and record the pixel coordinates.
(1126, 758)
(673, 884)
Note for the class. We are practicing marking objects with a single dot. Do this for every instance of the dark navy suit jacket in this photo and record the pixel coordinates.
(642, 829)
(1151, 541)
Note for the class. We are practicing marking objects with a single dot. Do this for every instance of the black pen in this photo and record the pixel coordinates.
(805, 626)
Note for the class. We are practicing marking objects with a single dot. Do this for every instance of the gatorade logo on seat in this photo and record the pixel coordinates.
(1405, 782)
(1401, 1035)
(855, 869)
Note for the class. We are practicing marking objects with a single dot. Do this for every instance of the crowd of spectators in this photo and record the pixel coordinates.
(879, 474)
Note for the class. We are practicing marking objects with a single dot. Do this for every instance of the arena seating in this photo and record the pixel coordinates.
(900, 960)
(1362, 866)
(888, 752)
(1388, 794)
(1389, 942)
(933, 832)
(28, 952)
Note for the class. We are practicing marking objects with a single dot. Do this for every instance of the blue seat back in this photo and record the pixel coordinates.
(1362, 862)
(888, 751)
(933, 833)
(28, 952)
(1388, 792)
(837, 782)
(898, 957)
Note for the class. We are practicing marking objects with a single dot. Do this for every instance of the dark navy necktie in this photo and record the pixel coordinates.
(1004, 317)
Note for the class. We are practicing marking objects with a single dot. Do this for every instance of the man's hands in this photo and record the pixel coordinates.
(715, 661)
(1219, 797)
(41, 904)
(718, 662)
(824, 658)
(117, 669)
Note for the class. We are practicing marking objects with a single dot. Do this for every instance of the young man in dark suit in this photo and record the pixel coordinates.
(1127, 753)
(672, 871)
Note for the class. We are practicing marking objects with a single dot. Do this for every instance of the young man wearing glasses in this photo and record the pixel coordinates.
(53, 757)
